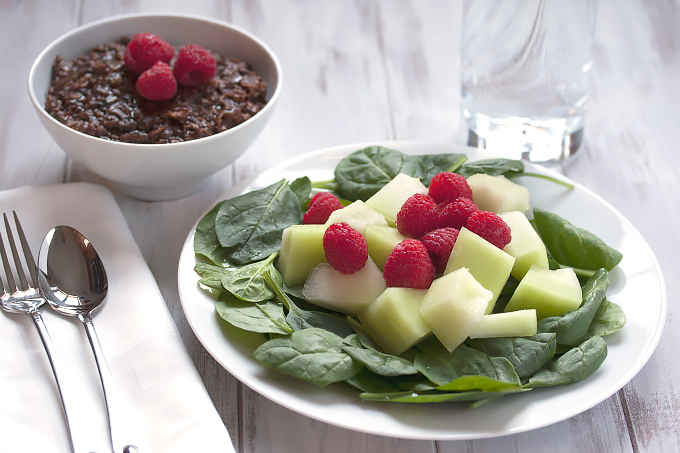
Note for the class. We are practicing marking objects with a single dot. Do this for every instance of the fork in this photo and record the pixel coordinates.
(25, 297)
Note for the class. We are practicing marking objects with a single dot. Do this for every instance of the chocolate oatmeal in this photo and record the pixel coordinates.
(95, 94)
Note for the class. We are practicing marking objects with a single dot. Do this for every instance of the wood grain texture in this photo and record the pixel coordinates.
(364, 70)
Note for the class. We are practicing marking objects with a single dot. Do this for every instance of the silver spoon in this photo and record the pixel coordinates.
(73, 280)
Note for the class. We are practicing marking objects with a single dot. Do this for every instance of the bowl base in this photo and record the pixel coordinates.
(160, 193)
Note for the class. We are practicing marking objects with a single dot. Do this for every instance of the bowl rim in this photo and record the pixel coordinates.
(154, 146)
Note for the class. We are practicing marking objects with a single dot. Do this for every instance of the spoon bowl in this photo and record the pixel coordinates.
(73, 280)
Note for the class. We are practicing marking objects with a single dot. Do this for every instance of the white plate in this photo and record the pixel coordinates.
(636, 285)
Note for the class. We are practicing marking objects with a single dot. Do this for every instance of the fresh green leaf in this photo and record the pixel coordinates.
(368, 381)
(206, 243)
(302, 188)
(574, 365)
(376, 361)
(265, 317)
(210, 275)
(493, 167)
(610, 318)
(248, 282)
(438, 397)
(250, 226)
(526, 354)
(504, 378)
(572, 327)
(573, 246)
(437, 163)
(364, 172)
(313, 355)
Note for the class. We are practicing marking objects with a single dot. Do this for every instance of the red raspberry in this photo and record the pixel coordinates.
(145, 49)
(456, 213)
(409, 266)
(157, 83)
(320, 207)
(345, 248)
(439, 244)
(490, 227)
(418, 215)
(194, 65)
(447, 186)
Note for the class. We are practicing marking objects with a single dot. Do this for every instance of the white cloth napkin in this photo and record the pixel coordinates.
(169, 406)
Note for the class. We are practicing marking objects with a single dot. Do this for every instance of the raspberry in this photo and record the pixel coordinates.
(345, 248)
(157, 83)
(490, 227)
(418, 215)
(320, 207)
(456, 213)
(145, 49)
(439, 244)
(194, 65)
(447, 186)
(409, 266)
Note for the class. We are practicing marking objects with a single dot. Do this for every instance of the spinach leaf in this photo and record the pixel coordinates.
(573, 246)
(438, 397)
(250, 226)
(527, 354)
(206, 243)
(572, 327)
(610, 318)
(210, 275)
(266, 317)
(376, 361)
(302, 188)
(301, 319)
(368, 381)
(502, 378)
(493, 167)
(247, 282)
(364, 172)
(313, 355)
(574, 365)
(443, 367)
(437, 163)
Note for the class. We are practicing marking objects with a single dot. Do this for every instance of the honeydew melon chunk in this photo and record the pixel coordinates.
(349, 294)
(453, 306)
(394, 321)
(391, 197)
(301, 250)
(526, 245)
(498, 194)
(357, 215)
(381, 240)
(488, 264)
(550, 292)
(520, 323)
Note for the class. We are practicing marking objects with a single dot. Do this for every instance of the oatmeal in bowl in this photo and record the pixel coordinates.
(155, 103)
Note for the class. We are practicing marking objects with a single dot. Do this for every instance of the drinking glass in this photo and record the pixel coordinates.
(525, 75)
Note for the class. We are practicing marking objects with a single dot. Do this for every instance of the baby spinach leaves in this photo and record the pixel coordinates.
(573, 246)
(364, 172)
(264, 317)
(526, 354)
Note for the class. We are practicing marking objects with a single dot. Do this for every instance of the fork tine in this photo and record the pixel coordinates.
(5, 262)
(17, 258)
(30, 261)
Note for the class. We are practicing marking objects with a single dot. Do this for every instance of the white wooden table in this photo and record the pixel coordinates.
(362, 70)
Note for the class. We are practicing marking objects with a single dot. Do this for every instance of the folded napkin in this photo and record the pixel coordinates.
(169, 406)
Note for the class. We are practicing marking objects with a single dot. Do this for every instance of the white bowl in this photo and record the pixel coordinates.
(158, 171)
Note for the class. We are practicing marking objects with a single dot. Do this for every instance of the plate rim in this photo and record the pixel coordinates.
(651, 344)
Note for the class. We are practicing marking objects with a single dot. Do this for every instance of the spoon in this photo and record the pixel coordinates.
(73, 281)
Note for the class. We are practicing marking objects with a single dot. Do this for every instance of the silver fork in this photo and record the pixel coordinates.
(25, 298)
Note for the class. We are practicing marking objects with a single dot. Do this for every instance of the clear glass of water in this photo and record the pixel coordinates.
(525, 75)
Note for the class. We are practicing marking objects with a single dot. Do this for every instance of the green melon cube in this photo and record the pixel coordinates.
(550, 292)
(346, 293)
(498, 194)
(453, 306)
(394, 321)
(526, 245)
(357, 215)
(488, 264)
(381, 240)
(520, 323)
(301, 250)
(391, 197)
